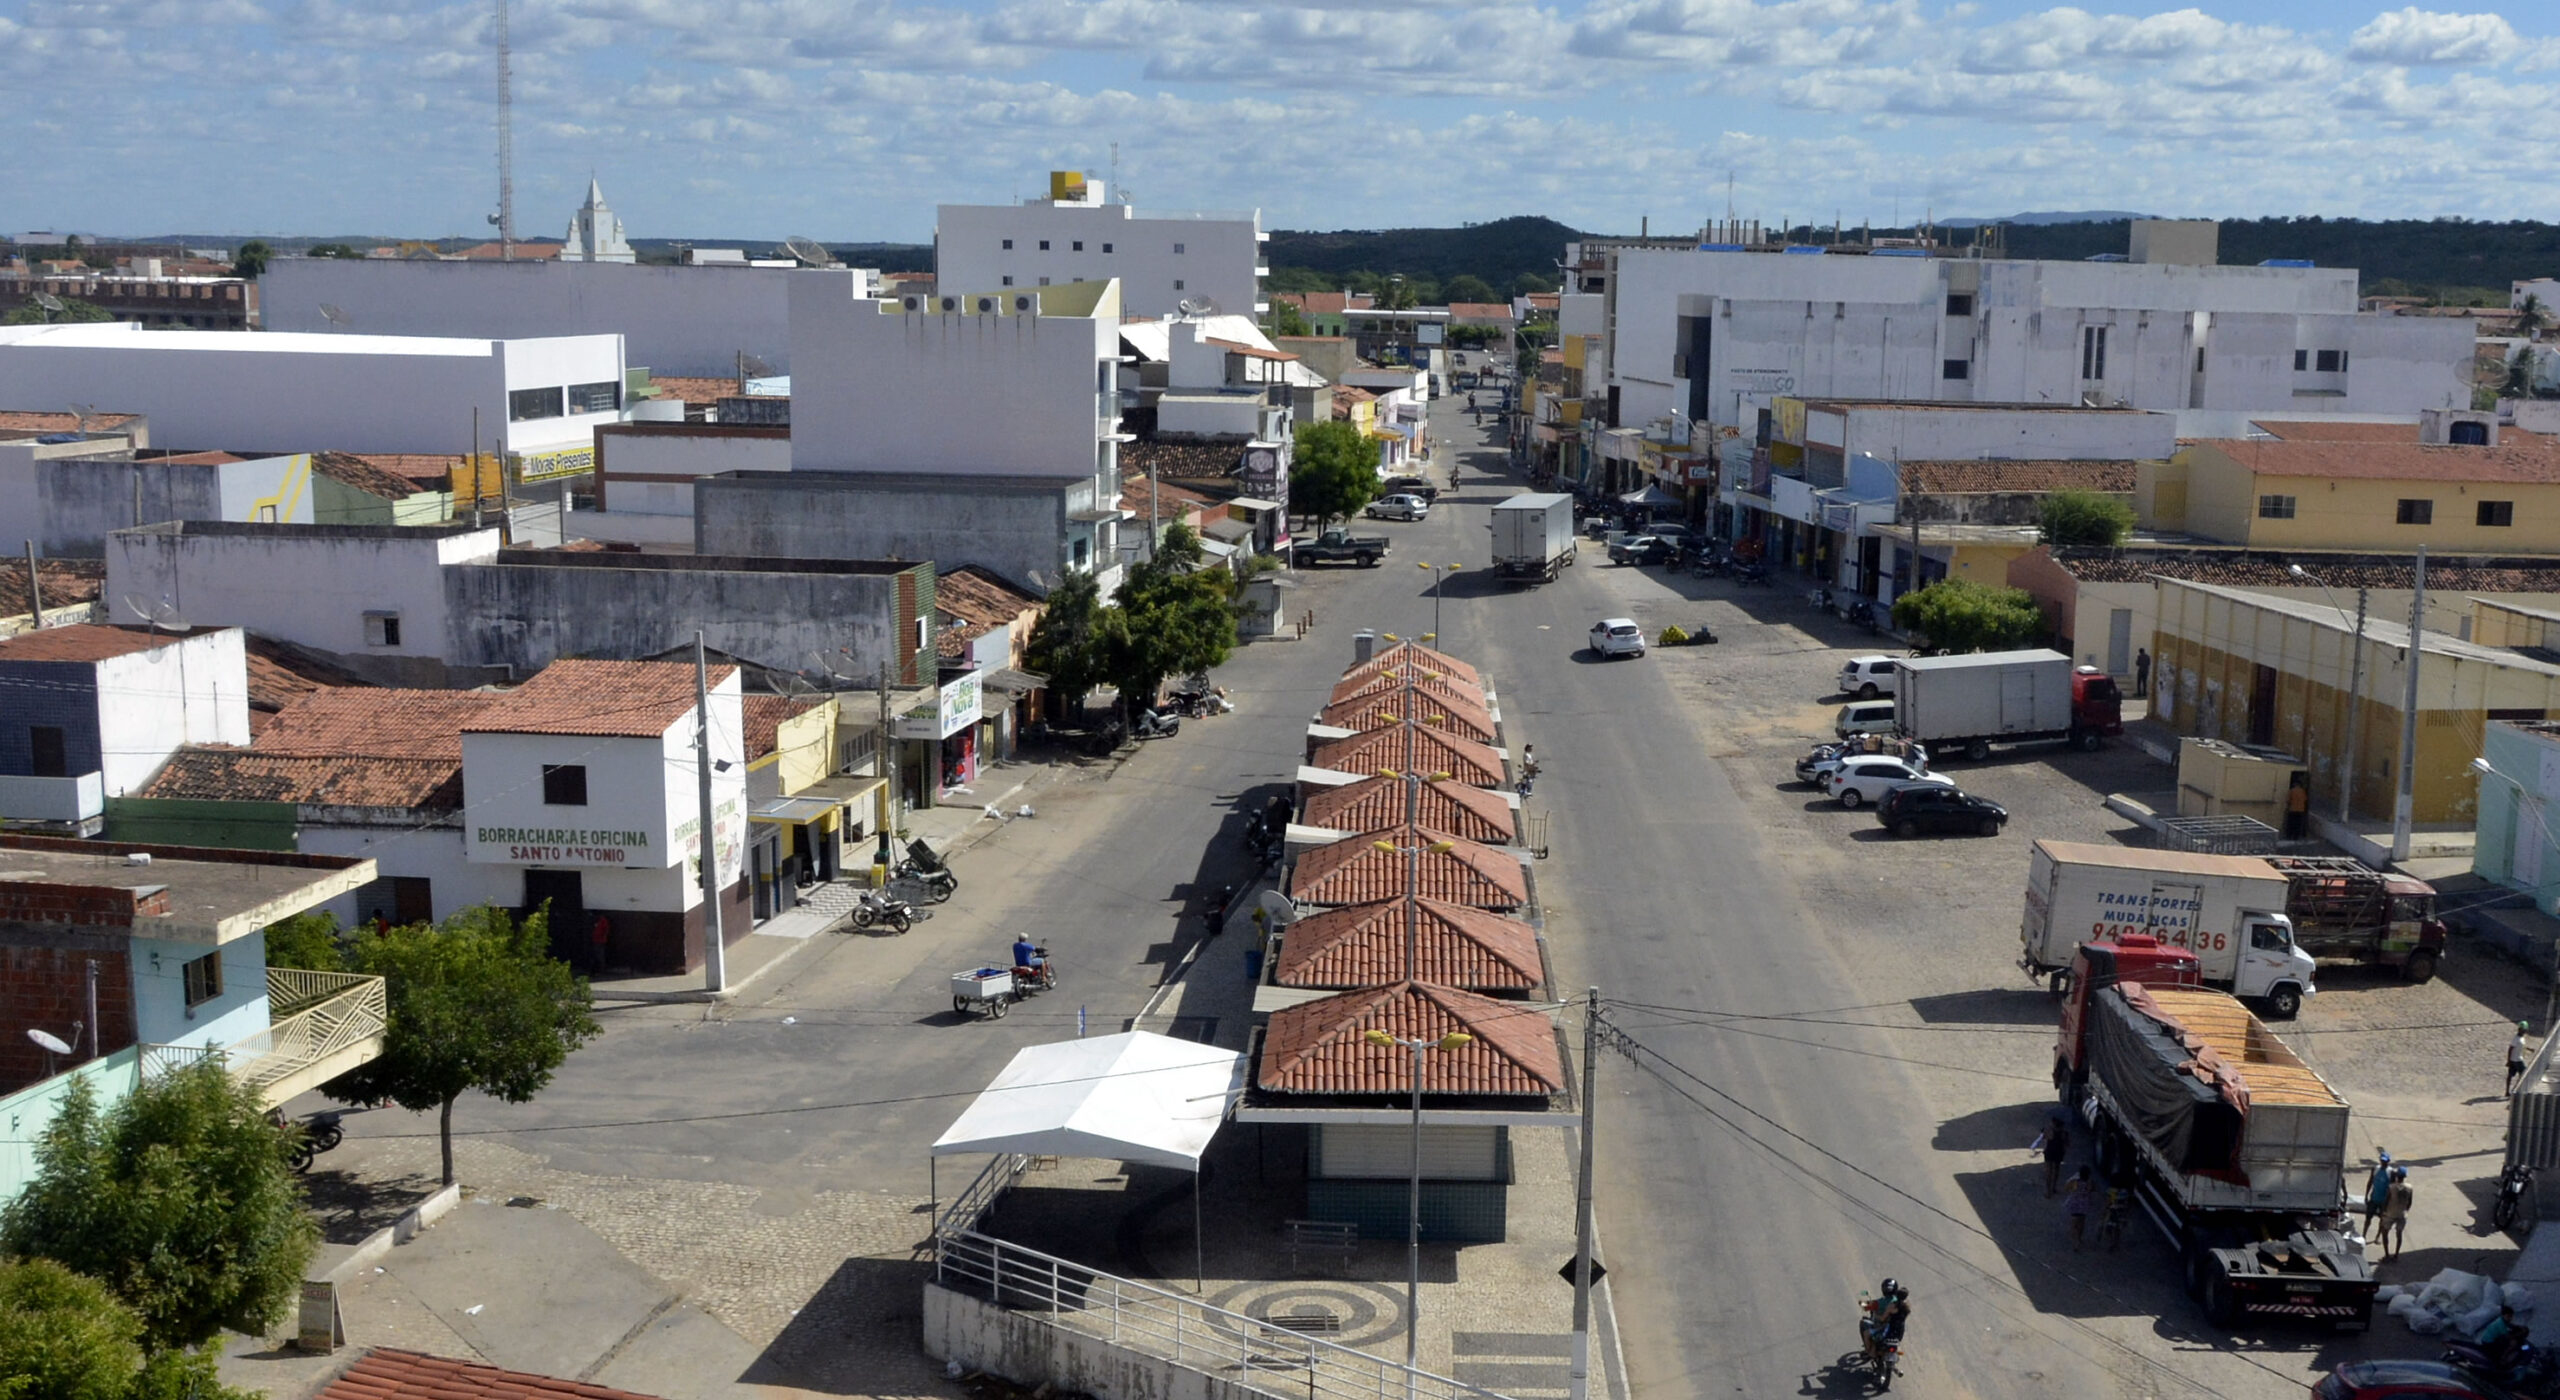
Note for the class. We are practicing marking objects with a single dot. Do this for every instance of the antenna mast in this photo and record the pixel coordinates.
(505, 218)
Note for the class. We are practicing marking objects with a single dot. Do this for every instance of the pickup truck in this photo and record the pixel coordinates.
(1342, 547)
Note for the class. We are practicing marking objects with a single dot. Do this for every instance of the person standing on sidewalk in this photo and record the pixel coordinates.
(2377, 1193)
(2395, 1213)
(2077, 1199)
(2141, 672)
(2057, 1149)
(2515, 1059)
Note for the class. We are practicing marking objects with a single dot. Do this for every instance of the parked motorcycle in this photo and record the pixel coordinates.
(1753, 574)
(928, 872)
(1862, 613)
(881, 907)
(312, 1136)
(2525, 1370)
(2515, 1184)
(1157, 724)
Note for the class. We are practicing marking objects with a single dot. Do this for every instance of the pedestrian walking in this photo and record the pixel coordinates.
(2377, 1193)
(601, 939)
(2141, 672)
(2395, 1213)
(2297, 809)
(2515, 1059)
(2057, 1149)
(2077, 1199)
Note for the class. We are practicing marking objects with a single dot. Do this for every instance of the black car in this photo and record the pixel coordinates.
(1913, 810)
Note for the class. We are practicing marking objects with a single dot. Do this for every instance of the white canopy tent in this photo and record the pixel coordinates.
(1132, 1097)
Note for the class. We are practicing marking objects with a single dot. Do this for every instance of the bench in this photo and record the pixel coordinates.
(1335, 1238)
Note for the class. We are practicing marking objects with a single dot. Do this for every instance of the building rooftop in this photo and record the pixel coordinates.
(1325, 303)
(87, 641)
(1445, 804)
(117, 335)
(1441, 689)
(610, 699)
(186, 894)
(1354, 871)
(1378, 708)
(1318, 1047)
(764, 716)
(1951, 406)
(384, 723)
(694, 391)
(2379, 632)
(2236, 568)
(64, 583)
(1394, 655)
(387, 1374)
(2036, 477)
(2516, 463)
(1413, 747)
(247, 775)
(40, 421)
(1364, 945)
(281, 673)
(432, 470)
(348, 469)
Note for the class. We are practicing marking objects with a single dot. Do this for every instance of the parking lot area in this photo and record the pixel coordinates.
(1943, 997)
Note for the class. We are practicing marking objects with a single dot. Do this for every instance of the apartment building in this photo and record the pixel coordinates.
(1162, 259)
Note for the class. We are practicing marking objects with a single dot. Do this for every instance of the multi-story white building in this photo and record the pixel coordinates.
(1714, 333)
(1211, 259)
(282, 393)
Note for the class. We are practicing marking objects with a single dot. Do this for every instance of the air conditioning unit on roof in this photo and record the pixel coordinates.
(911, 302)
(986, 306)
(1026, 304)
(951, 303)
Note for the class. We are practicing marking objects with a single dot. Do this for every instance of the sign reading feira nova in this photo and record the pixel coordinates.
(563, 845)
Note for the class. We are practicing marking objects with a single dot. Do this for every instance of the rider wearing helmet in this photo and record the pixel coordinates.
(1887, 1314)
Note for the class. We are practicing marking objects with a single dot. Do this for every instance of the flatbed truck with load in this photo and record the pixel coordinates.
(2233, 1147)
(1965, 704)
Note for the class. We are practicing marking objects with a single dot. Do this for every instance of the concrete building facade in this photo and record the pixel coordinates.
(1162, 259)
(89, 712)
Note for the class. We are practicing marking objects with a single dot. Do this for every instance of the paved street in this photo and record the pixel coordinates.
(1849, 1069)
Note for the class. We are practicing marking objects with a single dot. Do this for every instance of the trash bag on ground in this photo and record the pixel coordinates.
(2517, 1296)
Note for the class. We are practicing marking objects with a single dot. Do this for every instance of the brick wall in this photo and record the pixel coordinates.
(78, 906)
(43, 985)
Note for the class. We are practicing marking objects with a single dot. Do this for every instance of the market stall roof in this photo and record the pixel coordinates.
(1132, 1097)
(1649, 495)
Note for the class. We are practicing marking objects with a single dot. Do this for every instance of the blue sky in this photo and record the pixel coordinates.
(850, 119)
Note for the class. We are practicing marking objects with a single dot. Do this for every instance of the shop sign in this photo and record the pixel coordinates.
(954, 709)
(561, 845)
(728, 835)
(549, 466)
(1702, 471)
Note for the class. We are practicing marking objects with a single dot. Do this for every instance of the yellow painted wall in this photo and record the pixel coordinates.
(2160, 494)
(2360, 513)
(805, 747)
(1985, 564)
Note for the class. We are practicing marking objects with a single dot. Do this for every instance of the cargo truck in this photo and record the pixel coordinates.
(2227, 910)
(1968, 703)
(2348, 911)
(2233, 1148)
(1533, 536)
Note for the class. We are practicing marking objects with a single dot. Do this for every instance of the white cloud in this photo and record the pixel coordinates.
(2418, 36)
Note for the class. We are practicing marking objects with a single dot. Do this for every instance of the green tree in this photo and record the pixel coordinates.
(334, 250)
(1287, 319)
(64, 1334)
(2519, 381)
(2068, 518)
(251, 259)
(1466, 286)
(1959, 615)
(1066, 643)
(73, 309)
(1334, 472)
(1529, 282)
(181, 1198)
(476, 1003)
(1172, 618)
(308, 941)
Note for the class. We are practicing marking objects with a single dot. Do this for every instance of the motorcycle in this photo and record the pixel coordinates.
(2514, 1185)
(1752, 574)
(1030, 982)
(1157, 724)
(2524, 1370)
(312, 1136)
(1863, 614)
(1882, 1354)
(927, 871)
(881, 907)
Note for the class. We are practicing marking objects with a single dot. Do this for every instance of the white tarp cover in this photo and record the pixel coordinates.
(1132, 1097)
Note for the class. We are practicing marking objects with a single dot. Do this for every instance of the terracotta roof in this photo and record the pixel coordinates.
(1317, 1047)
(1487, 310)
(1325, 303)
(981, 595)
(697, 392)
(2522, 464)
(1178, 459)
(1443, 690)
(348, 469)
(39, 421)
(764, 719)
(1378, 708)
(431, 470)
(1349, 396)
(1397, 747)
(387, 1374)
(1394, 654)
(1979, 478)
(1445, 804)
(246, 775)
(2237, 570)
(281, 673)
(359, 722)
(1238, 347)
(523, 252)
(191, 459)
(64, 582)
(85, 641)
(1176, 501)
(1363, 945)
(1354, 871)
(1543, 300)
(625, 699)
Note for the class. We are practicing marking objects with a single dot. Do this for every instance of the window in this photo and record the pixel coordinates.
(266, 515)
(1044, 281)
(2301, 361)
(46, 757)
(1008, 245)
(203, 978)
(2275, 507)
(1044, 245)
(2499, 513)
(1959, 303)
(1177, 248)
(382, 629)
(2266, 938)
(2199, 359)
(1955, 369)
(1177, 284)
(1008, 281)
(2093, 352)
(2417, 512)
(2331, 361)
(564, 784)
(1106, 247)
(603, 396)
(524, 404)
(1077, 246)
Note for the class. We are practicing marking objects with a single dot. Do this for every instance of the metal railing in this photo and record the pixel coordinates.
(970, 1207)
(312, 1016)
(1258, 1354)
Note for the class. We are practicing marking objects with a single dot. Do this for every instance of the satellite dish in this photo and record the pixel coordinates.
(754, 366)
(159, 616)
(809, 251)
(332, 314)
(1193, 306)
(50, 1043)
(49, 302)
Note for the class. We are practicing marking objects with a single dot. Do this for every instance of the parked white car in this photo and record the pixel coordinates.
(1864, 717)
(1617, 636)
(1400, 507)
(1867, 677)
(1868, 779)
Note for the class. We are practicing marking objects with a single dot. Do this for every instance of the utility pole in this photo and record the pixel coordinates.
(505, 218)
(2355, 718)
(2405, 809)
(473, 462)
(888, 766)
(1581, 1376)
(715, 960)
(1155, 513)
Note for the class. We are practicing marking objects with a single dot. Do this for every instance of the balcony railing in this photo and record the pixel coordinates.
(320, 1025)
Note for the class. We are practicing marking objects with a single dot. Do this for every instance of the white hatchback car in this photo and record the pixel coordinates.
(1867, 677)
(1867, 779)
(1617, 636)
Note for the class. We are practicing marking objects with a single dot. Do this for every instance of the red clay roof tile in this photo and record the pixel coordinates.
(385, 1373)
(1393, 657)
(2520, 462)
(1461, 809)
(1379, 708)
(1441, 689)
(625, 699)
(1364, 945)
(1354, 871)
(1981, 478)
(1317, 1047)
(1411, 747)
(85, 641)
(764, 718)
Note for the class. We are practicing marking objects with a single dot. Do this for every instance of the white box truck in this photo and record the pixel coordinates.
(2227, 910)
(1968, 703)
(1533, 536)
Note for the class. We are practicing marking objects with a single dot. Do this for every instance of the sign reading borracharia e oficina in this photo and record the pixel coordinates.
(563, 845)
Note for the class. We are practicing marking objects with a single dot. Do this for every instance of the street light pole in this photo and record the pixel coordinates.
(1581, 1374)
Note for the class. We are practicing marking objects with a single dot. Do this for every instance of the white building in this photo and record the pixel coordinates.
(93, 710)
(716, 320)
(1714, 334)
(645, 474)
(595, 232)
(280, 393)
(1211, 259)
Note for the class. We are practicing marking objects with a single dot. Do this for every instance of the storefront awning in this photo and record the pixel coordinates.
(1649, 496)
(815, 800)
(1254, 503)
(1013, 682)
(1093, 517)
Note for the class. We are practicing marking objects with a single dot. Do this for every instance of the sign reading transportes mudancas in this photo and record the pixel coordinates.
(561, 845)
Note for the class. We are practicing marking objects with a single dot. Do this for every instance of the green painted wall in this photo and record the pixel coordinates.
(176, 821)
(26, 1114)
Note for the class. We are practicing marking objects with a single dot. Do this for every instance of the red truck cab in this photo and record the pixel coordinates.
(2131, 957)
(2097, 707)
